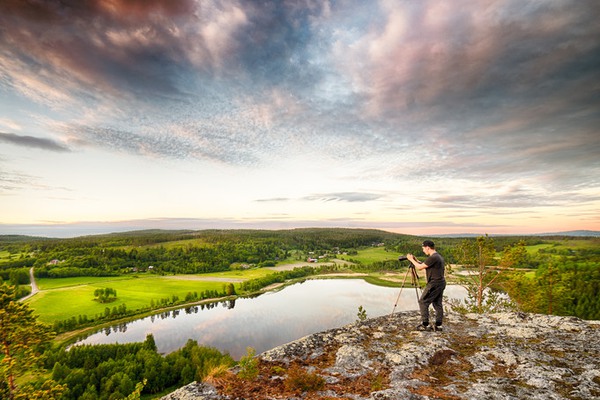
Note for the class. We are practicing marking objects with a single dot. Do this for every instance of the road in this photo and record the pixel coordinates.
(34, 287)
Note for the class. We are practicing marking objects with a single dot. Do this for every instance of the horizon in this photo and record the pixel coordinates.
(415, 117)
(80, 229)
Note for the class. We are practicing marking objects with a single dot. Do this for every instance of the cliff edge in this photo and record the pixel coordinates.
(495, 356)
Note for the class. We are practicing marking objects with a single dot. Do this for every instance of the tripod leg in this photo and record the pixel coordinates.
(415, 282)
(401, 287)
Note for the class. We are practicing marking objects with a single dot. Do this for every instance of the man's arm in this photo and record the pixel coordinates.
(418, 265)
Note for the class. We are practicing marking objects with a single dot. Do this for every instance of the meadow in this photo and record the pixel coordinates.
(4, 255)
(371, 255)
(63, 298)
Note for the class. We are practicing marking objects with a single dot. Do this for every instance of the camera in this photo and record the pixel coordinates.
(402, 258)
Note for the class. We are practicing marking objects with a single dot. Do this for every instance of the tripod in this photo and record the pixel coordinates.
(415, 282)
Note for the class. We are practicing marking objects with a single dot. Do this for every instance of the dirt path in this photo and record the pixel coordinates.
(34, 286)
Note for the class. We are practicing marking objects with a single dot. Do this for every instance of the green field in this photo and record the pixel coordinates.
(196, 242)
(240, 274)
(57, 283)
(371, 255)
(533, 250)
(4, 255)
(61, 299)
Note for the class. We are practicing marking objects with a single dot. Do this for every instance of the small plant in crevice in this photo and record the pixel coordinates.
(362, 314)
(248, 365)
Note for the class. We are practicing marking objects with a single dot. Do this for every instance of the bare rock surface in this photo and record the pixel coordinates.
(495, 356)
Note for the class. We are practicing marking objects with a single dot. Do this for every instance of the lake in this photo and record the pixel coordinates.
(268, 320)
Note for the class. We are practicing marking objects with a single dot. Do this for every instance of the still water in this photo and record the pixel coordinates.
(266, 321)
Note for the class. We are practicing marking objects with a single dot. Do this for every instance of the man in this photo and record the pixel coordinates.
(434, 290)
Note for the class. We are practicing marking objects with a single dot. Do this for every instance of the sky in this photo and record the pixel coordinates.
(420, 117)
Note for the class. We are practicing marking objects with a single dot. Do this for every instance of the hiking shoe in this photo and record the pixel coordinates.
(438, 328)
(423, 328)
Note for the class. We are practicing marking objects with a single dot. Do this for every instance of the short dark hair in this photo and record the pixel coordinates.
(428, 243)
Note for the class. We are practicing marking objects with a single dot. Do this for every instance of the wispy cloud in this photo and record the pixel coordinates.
(351, 197)
(32, 142)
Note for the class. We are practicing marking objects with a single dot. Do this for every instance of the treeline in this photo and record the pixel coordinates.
(254, 285)
(559, 287)
(99, 261)
(201, 251)
(17, 276)
(112, 371)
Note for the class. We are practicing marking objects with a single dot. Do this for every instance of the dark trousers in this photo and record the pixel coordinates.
(432, 294)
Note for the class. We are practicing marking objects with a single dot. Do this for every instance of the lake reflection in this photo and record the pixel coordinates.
(268, 320)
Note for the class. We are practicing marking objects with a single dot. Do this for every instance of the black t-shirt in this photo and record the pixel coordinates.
(435, 268)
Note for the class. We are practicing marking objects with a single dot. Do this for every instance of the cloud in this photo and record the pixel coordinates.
(350, 197)
(32, 142)
(13, 181)
(273, 200)
(133, 49)
(204, 140)
(453, 55)
(520, 199)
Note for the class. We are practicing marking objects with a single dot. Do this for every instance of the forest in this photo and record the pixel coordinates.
(554, 275)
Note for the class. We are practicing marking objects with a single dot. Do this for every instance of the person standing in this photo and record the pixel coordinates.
(434, 290)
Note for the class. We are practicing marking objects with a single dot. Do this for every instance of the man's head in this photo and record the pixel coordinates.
(428, 243)
(428, 247)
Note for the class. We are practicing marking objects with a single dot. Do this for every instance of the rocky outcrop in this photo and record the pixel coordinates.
(496, 356)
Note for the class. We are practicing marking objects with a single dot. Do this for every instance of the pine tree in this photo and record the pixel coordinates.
(21, 338)
(477, 256)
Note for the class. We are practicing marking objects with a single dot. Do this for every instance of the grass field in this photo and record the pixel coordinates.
(61, 299)
(197, 242)
(532, 250)
(57, 283)
(372, 254)
(240, 274)
(4, 255)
